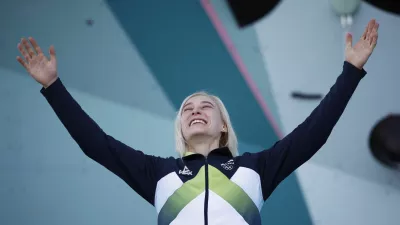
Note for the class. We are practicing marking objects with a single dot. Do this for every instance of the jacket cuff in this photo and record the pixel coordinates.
(53, 88)
(350, 69)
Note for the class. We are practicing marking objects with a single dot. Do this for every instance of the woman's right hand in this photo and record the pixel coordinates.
(36, 63)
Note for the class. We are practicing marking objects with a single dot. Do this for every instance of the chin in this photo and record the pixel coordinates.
(197, 131)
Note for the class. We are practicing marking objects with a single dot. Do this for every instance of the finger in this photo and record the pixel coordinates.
(364, 35)
(374, 34)
(371, 26)
(366, 31)
(52, 53)
(22, 62)
(374, 41)
(349, 40)
(24, 52)
(376, 27)
(35, 45)
(28, 47)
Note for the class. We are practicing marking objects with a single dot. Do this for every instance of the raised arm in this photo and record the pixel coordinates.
(137, 169)
(276, 163)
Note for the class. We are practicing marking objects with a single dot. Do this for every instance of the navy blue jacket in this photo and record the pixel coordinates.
(220, 188)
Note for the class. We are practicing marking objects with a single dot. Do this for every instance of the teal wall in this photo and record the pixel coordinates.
(131, 87)
(186, 54)
(46, 179)
(246, 43)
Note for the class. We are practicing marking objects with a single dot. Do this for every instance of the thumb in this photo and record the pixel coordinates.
(52, 52)
(349, 40)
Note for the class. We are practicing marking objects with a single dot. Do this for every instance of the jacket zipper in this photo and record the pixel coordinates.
(206, 196)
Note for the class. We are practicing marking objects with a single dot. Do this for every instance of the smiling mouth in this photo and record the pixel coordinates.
(196, 121)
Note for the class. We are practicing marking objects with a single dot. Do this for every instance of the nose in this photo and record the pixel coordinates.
(196, 111)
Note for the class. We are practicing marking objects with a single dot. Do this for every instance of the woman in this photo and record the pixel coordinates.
(209, 183)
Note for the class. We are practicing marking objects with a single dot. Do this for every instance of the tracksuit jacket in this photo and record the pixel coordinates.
(219, 188)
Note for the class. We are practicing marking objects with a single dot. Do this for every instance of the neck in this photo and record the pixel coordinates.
(203, 145)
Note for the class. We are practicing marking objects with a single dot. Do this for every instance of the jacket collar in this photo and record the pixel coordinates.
(223, 151)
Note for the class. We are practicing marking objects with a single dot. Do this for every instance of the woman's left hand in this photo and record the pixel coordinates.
(359, 53)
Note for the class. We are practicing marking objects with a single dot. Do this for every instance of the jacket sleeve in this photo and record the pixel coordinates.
(278, 162)
(137, 169)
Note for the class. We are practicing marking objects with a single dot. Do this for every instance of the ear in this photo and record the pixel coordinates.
(223, 129)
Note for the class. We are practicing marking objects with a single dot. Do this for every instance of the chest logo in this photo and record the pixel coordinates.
(228, 165)
(185, 171)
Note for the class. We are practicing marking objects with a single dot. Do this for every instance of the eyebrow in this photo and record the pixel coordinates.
(189, 103)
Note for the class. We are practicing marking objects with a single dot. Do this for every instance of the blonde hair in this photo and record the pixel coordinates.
(227, 139)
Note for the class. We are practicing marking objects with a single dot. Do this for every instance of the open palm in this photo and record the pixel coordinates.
(42, 69)
(359, 54)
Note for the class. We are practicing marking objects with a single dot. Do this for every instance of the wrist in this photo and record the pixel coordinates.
(358, 66)
(48, 84)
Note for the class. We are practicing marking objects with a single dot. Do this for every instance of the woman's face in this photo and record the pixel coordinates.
(201, 117)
